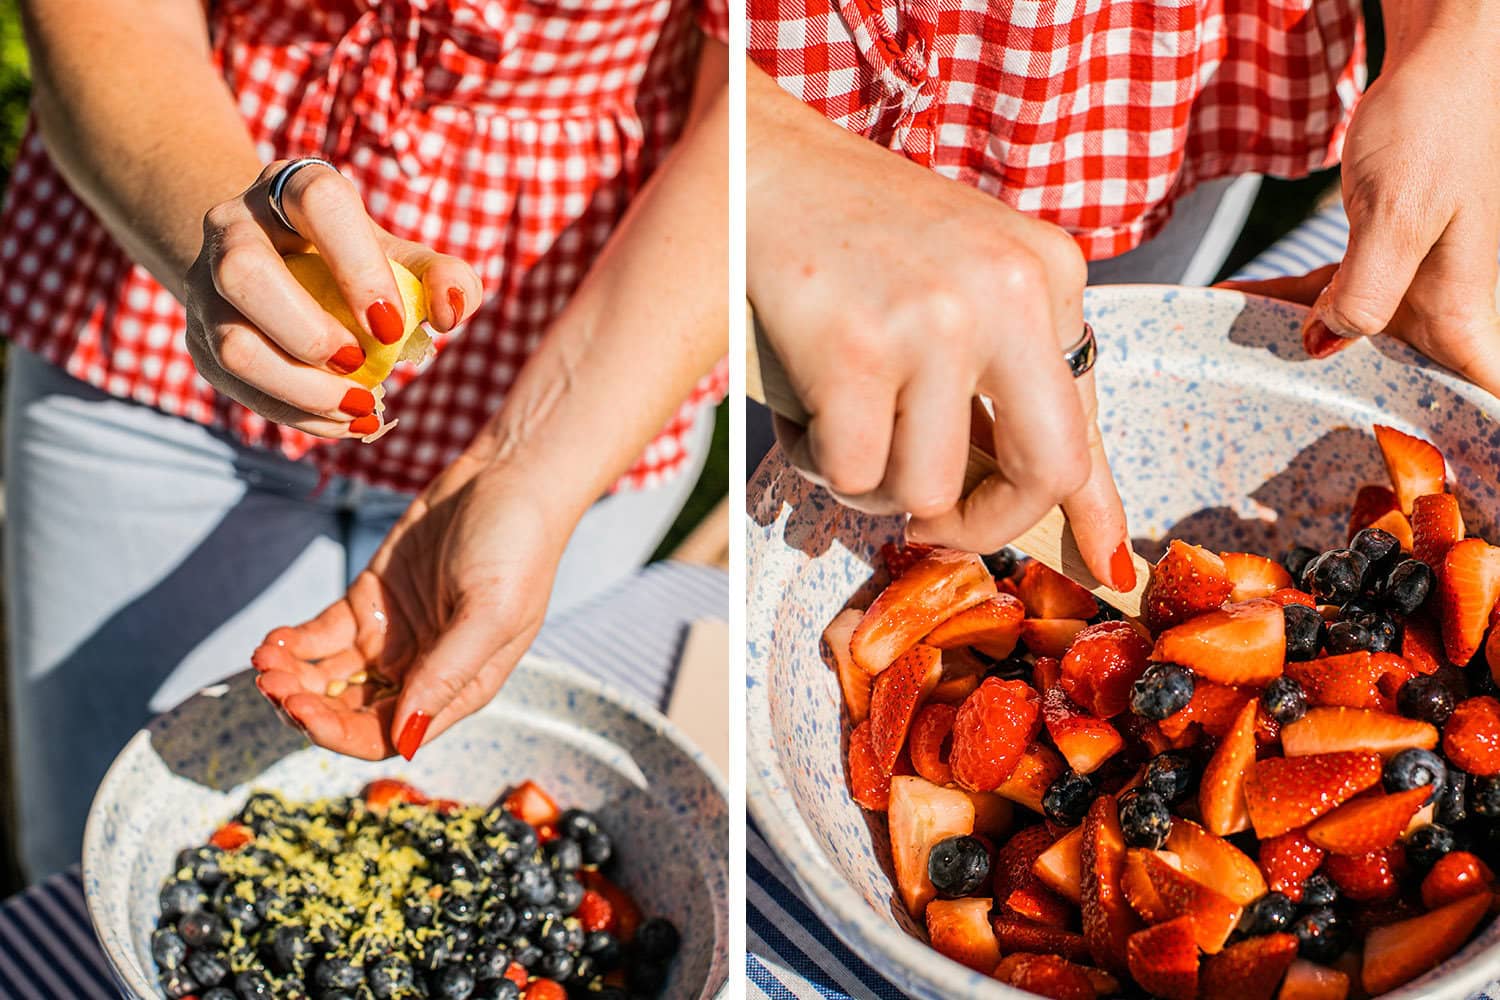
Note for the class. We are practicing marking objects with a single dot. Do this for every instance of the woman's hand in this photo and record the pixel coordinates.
(435, 624)
(893, 296)
(258, 337)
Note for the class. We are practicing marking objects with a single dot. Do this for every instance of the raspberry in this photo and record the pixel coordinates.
(991, 732)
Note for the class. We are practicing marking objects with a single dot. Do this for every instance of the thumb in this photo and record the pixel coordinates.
(443, 679)
(1386, 247)
(453, 288)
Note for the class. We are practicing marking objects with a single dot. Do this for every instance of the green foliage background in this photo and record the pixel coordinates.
(15, 85)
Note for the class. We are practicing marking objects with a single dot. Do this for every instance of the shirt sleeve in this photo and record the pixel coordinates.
(713, 19)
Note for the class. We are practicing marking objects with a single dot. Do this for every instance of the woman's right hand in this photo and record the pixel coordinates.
(261, 339)
(893, 296)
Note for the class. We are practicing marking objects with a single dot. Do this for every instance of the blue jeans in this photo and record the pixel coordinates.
(146, 556)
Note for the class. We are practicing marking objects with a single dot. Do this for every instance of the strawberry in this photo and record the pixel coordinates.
(902, 556)
(1048, 594)
(1086, 741)
(1471, 736)
(1398, 953)
(1164, 959)
(1060, 867)
(930, 741)
(1422, 647)
(382, 793)
(960, 929)
(962, 672)
(1186, 582)
(920, 815)
(1371, 503)
(544, 989)
(1350, 679)
(1214, 707)
(1035, 939)
(1283, 793)
(1290, 596)
(1047, 976)
(528, 802)
(232, 836)
(932, 590)
(1239, 644)
(1414, 465)
(1159, 892)
(516, 973)
(626, 915)
(993, 815)
(1046, 672)
(1367, 823)
(1366, 878)
(1309, 981)
(898, 693)
(1287, 860)
(1329, 730)
(1051, 637)
(1250, 969)
(1214, 861)
(1254, 576)
(594, 912)
(1102, 663)
(1457, 874)
(869, 781)
(853, 681)
(1035, 772)
(1468, 587)
(992, 730)
(1017, 890)
(1436, 526)
(1108, 920)
(1221, 792)
(991, 627)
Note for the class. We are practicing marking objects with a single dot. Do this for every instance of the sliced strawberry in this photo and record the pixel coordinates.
(1047, 976)
(1457, 874)
(1309, 981)
(1329, 730)
(1017, 890)
(869, 781)
(1214, 861)
(1285, 597)
(542, 988)
(1164, 959)
(1254, 576)
(1108, 920)
(1284, 793)
(626, 914)
(1221, 793)
(921, 814)
(1436, 525)
(902, 556)
(1471, 736)
(1367, 823)
(1060, 867)
(382, 793)
(232, 836)
(1366, 878)
(1468, 587)
(1159, 892)
(1051, 637)
(1250, 969)
(934, 589)
(1048, 594)
(1288, 860)
(1398, 953)
(1214, 707)
(930, 742)
(1414, 465)
(528, 802)
(962, 673)
(1035, 939)
(960, 929)
(1422, 646)
(898, 693)
(1188, 581)
(991, 627)
(1085, 741)
(1102, 663)
(1238, 644)
(1034, 773)
(853, 681)
(1371, 503)
(993, 728)
(1350, 679)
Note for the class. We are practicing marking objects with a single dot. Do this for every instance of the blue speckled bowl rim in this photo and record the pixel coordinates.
(130, 979)
(884, 946)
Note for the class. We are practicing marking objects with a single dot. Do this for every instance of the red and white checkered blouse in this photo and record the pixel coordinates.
(510, 133)
(1094, 115)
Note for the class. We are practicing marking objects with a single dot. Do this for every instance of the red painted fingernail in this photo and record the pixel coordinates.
(347, 359)
(385, 321)
(1321, 342)
(456, 302)
(368, 424)
(412, 733)
(1122, 569)
(358, 402)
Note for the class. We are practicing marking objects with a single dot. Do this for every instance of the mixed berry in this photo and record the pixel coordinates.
(1283, 783)
(392, 896)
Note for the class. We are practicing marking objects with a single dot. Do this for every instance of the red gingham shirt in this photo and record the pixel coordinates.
(1094, 115)
(509, 133)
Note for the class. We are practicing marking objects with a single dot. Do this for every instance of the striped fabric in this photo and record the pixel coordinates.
(792, 954)
(629, 637)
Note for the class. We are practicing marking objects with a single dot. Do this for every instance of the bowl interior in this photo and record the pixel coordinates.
(1219, 431)
(194, 766)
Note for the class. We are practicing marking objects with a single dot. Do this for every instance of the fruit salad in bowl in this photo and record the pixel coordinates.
(1277, 783)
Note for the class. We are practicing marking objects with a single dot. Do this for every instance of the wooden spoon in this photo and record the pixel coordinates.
(1050, 541)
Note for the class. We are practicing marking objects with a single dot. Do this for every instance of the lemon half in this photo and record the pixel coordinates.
(311, 272)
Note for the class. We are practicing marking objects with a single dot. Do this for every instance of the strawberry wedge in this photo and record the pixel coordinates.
(992, 627)
(930, 592)
(1398, 953)
(1239, 644)
(1468, 588)
(1188, 581)
(1284, 793)
(1414, 465)
(1437, 525)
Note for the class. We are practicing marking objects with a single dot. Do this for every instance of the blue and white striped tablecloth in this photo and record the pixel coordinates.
(792, 955)
(628, 637)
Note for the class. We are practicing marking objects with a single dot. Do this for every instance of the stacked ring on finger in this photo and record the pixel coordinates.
(283, 177)
(1082, 355)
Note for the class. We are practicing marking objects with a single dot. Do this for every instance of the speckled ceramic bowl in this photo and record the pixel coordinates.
(1221, 431)
(194, 766)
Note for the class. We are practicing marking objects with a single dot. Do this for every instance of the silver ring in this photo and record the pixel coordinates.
(279, 183)
(1082, 355)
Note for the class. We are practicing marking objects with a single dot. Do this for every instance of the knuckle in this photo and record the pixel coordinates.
(320, 191)
(235, 349)
(1356, 312)
(1068, 472)
(238, 270)
(850, 477)
(222, 216)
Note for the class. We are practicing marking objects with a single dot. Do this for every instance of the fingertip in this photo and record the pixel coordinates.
(412, 734)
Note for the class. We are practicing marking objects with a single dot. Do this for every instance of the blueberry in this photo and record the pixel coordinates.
(1296, 559)
(1163, 689)
(1407, 587)
(241, 914)
(455, 867)
(500, 922)
(598, 849)
(556, 965)
(527, 954)
(583, 973)
(1171, 775)
(178, 984)
(1336, 576)
(1380, 548)
(391, 977)
(490, 962)
(1318, 890)
(1425, 698)
(1348, 637)
(553, 936)
(334, 973)
(1413, 768)
(605, 950)
(958, 866)
(1385, 634)
(1145, 819)
(528, 918)
(418, 911)
(1427, 845)
(535, 885)
(202, 864)
(433, 954)
(202, 930)
(1283, 698)
(1304, 631)
(504, 989)
(1001, 564)
(1068, 798)
(453, 982)
(564, 855)
(1320, 934)
(168, 948)
(461, 938)
(1451, 807)
(219, 993)
(1484, 798)
(207, 967)
(646, 977)
(182, 897)
(458, 908)
(1272, 913)
(253, 985)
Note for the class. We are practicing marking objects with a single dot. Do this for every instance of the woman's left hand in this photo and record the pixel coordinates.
(447, 606)
(1423, 198)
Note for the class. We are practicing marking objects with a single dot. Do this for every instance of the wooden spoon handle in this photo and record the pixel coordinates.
(1050, 541)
